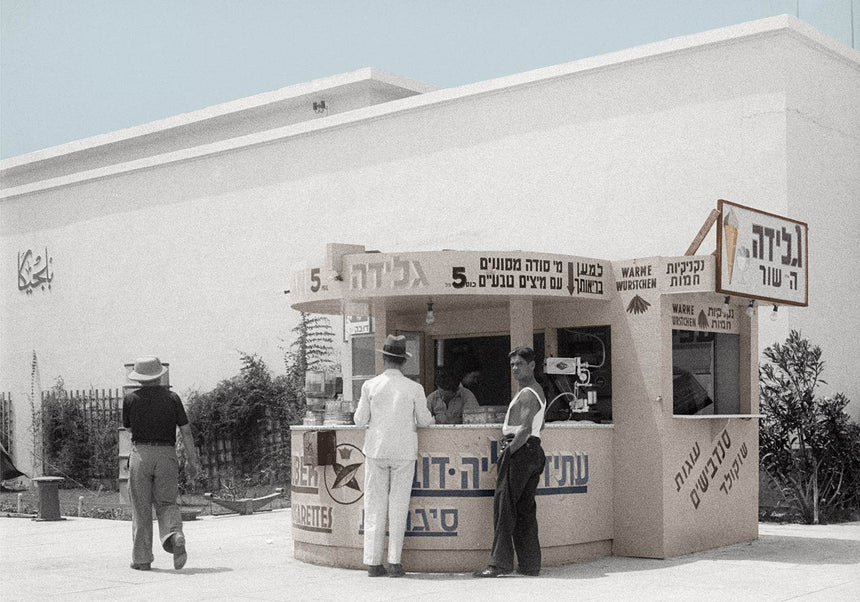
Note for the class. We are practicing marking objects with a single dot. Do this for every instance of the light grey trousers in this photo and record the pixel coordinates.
(153, 480)
(387, 489)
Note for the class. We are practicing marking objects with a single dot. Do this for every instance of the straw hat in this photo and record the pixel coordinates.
(147, 368)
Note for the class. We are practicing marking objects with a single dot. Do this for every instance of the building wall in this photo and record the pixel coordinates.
(187, 255)
(823, 156)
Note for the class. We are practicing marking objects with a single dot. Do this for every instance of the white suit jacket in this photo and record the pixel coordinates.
(392, 407)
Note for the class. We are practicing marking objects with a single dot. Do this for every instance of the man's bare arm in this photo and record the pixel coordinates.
(190, 450)
(528, 407)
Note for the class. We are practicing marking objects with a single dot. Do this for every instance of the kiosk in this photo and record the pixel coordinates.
(659, 458)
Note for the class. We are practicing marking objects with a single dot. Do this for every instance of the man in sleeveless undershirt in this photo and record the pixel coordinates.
(520, 465)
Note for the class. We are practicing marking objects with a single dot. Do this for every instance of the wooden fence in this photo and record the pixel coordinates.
(102, 408)
(221, 468)
(102, 414)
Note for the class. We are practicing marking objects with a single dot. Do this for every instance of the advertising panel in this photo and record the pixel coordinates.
(452, 492)
(761, 255)
(372, 275)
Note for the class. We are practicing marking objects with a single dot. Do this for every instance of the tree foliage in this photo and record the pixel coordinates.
(312, 349)
(240, 409)
(809, 446)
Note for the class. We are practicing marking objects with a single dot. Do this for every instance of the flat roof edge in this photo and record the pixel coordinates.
(727, 35)
(315, 86)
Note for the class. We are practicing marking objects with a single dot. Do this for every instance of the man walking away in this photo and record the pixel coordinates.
(152, 413)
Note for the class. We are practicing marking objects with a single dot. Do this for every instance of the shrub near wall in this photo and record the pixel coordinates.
(241, 427)
(810, 448)
(79, 435)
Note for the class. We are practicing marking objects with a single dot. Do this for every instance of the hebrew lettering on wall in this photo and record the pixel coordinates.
(762, 255)
(474, 476)
(720, 470)
(695, 315)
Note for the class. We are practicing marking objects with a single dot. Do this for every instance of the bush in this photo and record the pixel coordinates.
(71, 447)
(239, 410)
(809, 446)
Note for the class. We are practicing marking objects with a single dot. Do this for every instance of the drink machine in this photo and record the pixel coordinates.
(571, 378)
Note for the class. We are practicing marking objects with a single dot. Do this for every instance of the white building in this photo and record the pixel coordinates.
(178, 237)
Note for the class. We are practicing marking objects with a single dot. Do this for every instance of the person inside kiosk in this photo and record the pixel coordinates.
(450, 398)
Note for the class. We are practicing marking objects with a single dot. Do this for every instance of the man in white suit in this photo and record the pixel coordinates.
(392, 407)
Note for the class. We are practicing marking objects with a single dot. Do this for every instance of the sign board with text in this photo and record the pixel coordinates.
(761, 255)
(373, 275)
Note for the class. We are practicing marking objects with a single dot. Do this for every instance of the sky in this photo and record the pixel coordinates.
(71, 69)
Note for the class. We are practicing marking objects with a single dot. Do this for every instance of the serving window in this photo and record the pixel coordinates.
(705, 373)
(363, 352)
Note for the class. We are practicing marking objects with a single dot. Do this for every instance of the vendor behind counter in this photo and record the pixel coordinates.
(450, 398)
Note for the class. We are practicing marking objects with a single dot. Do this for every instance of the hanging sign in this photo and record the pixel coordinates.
(761, 255)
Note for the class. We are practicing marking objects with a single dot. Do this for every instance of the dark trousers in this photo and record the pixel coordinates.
(514, 509)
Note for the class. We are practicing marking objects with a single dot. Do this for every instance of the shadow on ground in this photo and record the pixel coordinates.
(783, 549)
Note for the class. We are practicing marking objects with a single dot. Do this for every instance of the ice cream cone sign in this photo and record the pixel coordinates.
(730, 235)
(762, 255)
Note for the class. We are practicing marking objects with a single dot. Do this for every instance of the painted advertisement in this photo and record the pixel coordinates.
(762, 255)
(640, 282)
(716, 474)
(369, 275)
(452, 492)
(694, 315)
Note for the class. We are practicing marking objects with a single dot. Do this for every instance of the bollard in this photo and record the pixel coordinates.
(49, 498)
(20, 503)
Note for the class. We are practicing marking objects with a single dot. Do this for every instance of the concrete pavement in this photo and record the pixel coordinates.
(251, 558)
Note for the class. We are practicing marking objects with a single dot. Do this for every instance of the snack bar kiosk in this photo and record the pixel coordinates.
(652, 432)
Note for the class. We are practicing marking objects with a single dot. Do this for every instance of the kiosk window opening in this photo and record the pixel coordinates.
(705, 373)
(363, 355)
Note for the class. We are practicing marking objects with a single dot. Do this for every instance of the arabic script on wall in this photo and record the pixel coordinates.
(34, 271)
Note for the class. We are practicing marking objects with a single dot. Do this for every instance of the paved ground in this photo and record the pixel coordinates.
(250, 558)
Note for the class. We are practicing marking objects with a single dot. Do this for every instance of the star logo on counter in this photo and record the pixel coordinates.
(343, 479)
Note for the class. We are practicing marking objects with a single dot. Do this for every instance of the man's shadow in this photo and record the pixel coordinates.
(196, 571)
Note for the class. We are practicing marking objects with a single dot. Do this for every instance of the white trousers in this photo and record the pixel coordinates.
(387, 488)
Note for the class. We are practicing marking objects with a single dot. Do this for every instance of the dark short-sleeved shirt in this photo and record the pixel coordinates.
(152, 414)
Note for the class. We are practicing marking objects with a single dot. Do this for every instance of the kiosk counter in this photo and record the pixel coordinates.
(449, 528)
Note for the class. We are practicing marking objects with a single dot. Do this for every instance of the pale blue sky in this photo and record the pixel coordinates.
(71, 69)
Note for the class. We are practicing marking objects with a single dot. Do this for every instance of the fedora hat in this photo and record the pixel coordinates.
(146, 369)
(395, 346)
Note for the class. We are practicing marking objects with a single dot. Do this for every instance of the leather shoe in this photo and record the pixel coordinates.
(180, 556)
(491, 571)
(529, 572)
(376, 570)
(140, 566)
(396, 570)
